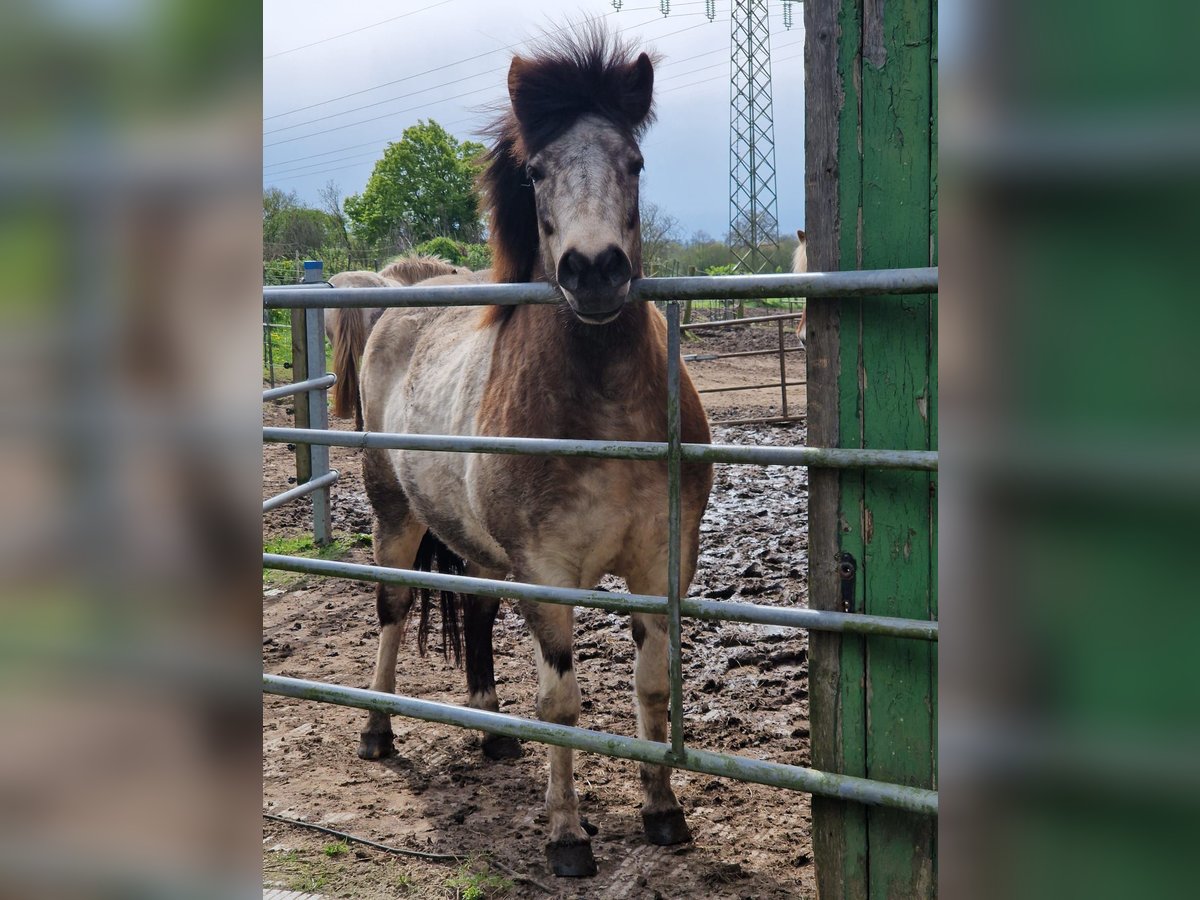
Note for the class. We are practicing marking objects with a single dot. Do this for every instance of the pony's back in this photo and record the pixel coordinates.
(800, 264)
(411, 269)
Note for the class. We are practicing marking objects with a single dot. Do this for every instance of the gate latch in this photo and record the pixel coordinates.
(847, 572)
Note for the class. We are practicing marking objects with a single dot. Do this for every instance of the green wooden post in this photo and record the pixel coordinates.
(872, 369)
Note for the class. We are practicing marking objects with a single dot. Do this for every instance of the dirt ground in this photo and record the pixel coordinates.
(745, 691)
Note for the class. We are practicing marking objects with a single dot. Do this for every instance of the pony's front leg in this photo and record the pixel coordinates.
(569, 849)
(396, 541)
(662, 816)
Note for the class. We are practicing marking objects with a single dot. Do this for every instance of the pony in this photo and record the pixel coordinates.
(560, 188)
(348, 329)
(800, 264)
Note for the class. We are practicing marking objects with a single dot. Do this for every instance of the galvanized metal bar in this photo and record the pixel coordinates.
(674, 531)
(759, 420)
(748, 320)
(300, 490)
(783, 382)
(299, 409)
(747, 387)
(693, 607)
(706, 357)
(822, 457)
(805, 284)
(318, 418)
(797, 778)
(287, 390)
(269, 345)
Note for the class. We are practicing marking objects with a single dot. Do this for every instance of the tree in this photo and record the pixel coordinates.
(331, 204)
(289, 227)
(423, 187)
(660, 231)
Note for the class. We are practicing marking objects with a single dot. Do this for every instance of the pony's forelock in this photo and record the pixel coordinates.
(587, 71)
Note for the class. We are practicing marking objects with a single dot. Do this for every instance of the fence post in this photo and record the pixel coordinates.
(318, 417)
(687, 304)
(782, 371)
(317, 407)
(299, 406)
(268, 344)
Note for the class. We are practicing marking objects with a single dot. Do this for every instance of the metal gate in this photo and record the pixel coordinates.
(317, 297)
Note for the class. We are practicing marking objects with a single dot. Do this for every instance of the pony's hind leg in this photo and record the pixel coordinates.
(662, 816)
(397, 536)
(479, 617)
(569, 849)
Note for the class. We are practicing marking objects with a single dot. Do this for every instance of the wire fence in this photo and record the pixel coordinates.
(674, 753)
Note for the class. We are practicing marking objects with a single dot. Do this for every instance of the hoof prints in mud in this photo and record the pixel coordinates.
(745, 692)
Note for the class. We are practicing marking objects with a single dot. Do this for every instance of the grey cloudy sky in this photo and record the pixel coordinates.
(445, 59)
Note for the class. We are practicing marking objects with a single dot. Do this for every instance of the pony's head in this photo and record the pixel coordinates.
(562, 177)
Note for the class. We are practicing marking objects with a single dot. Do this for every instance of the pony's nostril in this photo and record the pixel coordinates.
(614, 266)
(571, 268)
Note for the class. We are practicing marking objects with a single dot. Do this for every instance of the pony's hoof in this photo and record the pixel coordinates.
(375, 745)
(666, 827)
(571, 858)
(499, 746)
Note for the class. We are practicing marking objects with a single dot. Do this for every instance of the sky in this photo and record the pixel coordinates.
(340, 81)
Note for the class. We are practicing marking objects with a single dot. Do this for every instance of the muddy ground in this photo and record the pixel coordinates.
(745, 691)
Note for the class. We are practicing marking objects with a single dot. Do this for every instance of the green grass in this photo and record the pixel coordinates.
(281, 348)
(465, 884)
(302, 545)
(336, 849)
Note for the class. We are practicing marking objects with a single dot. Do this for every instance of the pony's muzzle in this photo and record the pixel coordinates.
(595, 287)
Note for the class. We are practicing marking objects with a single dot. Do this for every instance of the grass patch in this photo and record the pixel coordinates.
(466, 884)
(302, 545)
(336, 849)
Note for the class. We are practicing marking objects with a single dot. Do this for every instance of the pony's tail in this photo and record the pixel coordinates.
(430, 555)
(349, 339)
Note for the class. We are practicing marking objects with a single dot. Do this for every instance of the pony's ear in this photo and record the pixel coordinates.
(515, 70)
(639, 90)
(800, 234)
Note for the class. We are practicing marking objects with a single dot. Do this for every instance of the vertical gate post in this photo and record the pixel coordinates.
(318, 417)
(782, 372)
(871, 202)
(311, 409)
(299, 405)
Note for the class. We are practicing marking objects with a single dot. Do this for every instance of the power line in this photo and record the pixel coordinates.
(357, 157)
(715, 77)
(448, 65)
(431, 103)
(445, 84)
(347, 112)
(356, 30)
(672, 62)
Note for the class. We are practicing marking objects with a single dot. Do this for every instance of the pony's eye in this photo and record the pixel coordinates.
(534, 173)
(636, 167)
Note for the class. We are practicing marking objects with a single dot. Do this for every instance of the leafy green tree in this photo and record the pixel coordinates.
(423, 187)
(451, 251)
(290, 227)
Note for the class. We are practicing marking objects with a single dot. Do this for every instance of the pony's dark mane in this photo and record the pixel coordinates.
(589, 72)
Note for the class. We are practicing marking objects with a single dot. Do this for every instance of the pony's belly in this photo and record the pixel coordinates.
(441, 395)
(437, 488)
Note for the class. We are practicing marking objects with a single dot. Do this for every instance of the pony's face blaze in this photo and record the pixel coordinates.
(585, 187)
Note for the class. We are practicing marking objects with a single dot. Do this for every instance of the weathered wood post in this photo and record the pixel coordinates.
(310, 407)
(871, 202)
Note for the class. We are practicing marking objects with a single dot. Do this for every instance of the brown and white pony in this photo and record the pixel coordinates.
(348, 328)
(561, 190)
(800, 264)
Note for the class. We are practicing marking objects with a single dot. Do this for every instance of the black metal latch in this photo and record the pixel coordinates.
(847, 572)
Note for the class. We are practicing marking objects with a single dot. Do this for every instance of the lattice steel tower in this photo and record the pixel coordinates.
(753, 200)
